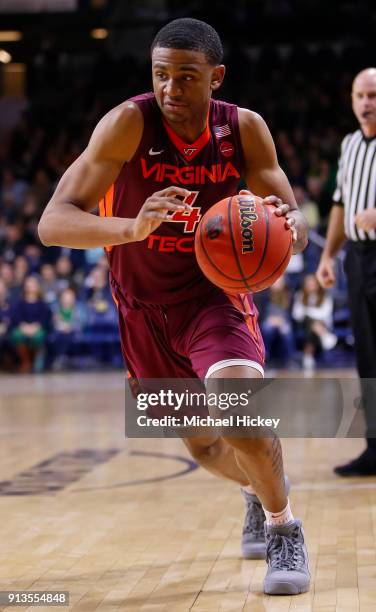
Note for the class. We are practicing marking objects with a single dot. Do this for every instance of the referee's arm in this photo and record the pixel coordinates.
(335, 238)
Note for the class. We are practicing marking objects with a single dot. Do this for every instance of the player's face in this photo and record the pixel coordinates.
(183, 81)
(364, 99)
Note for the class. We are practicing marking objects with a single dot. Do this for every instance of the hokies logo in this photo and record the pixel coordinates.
(226, 148)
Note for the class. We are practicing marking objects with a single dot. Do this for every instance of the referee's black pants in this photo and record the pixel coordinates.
(360, 268)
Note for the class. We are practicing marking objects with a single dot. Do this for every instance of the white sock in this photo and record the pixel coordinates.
(249, 490)
(279, 518)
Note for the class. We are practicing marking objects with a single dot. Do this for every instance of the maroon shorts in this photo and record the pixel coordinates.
(192, 339)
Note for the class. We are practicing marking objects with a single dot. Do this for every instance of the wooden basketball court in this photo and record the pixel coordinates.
(134, 525)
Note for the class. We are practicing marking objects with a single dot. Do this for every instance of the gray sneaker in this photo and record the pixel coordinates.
(287, 559)
(253, 535)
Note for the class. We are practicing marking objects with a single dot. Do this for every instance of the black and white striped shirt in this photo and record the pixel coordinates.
(356, 181)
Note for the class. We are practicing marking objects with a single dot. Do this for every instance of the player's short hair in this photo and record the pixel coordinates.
(193, 35)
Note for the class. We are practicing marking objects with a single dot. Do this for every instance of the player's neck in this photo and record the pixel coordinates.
(188, 131)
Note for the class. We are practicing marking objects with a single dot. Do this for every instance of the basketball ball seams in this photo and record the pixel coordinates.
(280, 265)
(282, 262)
(202, 243)
(234, 250)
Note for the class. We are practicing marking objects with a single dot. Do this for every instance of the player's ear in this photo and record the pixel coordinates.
(217, 76)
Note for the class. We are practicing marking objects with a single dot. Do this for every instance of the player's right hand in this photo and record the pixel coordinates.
(159, 207)
(326, 272)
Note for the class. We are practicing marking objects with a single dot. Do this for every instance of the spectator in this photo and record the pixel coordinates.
(7, 274)
(313, 312)
(103, 263)
(3, 231)
(30, 319)
(12, 193)
(308, 207)
(4, 324)
(20, 270)
(41, 188)
(101, 309)
(29, 216)
(68, 318)
(93, 257)
(276, 326)
(14, 242)
(64, 272)
(49, 283)
(33, 256)
(97, 285)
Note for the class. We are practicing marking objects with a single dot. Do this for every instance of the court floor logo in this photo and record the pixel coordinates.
(57, 472)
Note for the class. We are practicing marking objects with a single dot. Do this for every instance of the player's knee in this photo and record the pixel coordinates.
(204, 453)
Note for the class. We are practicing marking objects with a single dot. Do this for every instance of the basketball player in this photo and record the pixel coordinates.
(157, 162)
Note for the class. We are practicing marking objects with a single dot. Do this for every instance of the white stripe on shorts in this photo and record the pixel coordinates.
(226, 363)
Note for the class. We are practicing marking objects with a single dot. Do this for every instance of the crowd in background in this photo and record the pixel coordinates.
(52, 299)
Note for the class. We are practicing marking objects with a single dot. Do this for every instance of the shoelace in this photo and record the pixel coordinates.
(254, 520)
(285, 552)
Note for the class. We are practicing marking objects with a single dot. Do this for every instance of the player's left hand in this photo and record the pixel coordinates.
(366, 220)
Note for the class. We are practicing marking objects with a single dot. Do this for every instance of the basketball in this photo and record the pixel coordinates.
(241, 245)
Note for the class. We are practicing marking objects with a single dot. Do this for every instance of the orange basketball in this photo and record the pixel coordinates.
(241, 245)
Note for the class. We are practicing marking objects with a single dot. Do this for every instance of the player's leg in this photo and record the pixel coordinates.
(148, 355)
(214, 454)
(217, 456)
(213, 333)
(261, 460)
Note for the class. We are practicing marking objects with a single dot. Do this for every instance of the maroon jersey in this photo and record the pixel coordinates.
(162, 269)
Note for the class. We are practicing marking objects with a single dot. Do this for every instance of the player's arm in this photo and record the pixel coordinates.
(335, 238)
(264, 175)
(67, 219)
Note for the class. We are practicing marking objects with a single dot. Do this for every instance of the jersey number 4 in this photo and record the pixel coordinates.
(190, 218)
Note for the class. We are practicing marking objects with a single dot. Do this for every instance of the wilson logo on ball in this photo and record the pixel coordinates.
(248, 215)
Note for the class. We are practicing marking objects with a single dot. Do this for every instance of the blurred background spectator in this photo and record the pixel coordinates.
(68, 319)
(30, 320)
(313, 313)
(276, 325)
(4, 325)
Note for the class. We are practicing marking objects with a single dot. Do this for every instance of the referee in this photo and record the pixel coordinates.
(353, 218)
